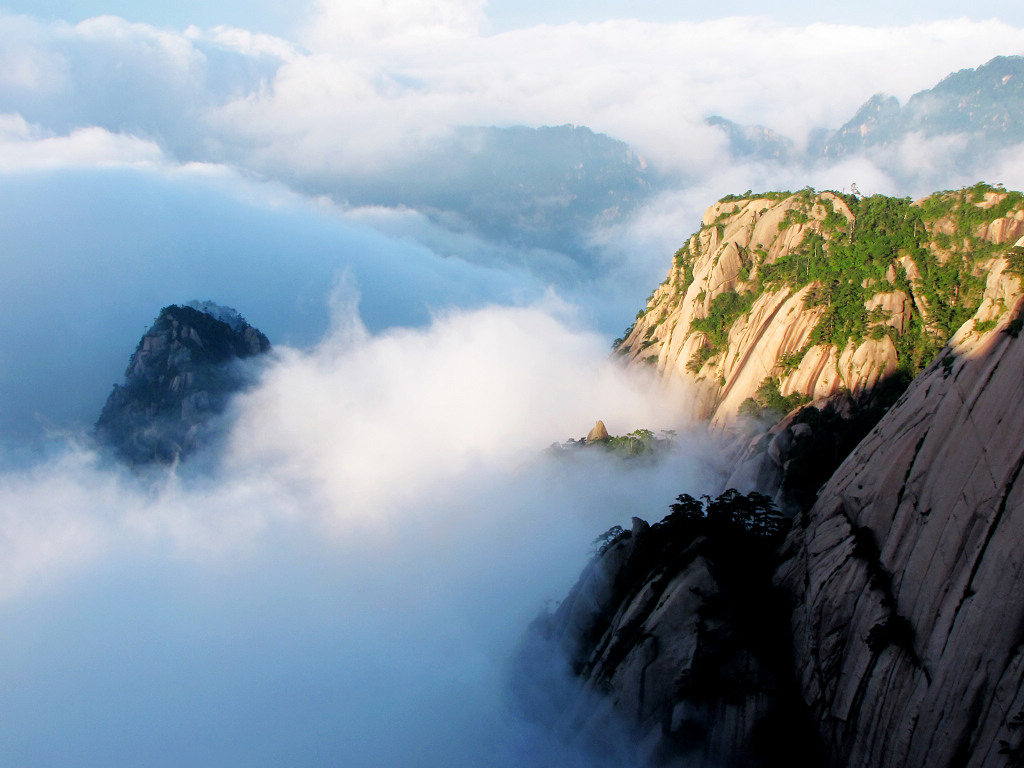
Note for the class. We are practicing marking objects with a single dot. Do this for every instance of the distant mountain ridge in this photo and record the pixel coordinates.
(984, 107)
(987, 102)
(535, 187)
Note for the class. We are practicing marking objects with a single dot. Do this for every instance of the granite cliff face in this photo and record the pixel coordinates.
(907, 572)
(681, 647)
(178, 382)
(809, 296)
(891, 616)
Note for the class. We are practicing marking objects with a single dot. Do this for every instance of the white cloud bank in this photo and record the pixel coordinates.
(376, 80)
(26, 147)
(347, 587)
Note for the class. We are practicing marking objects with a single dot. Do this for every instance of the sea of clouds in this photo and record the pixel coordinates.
(344, 580)
(347, 580)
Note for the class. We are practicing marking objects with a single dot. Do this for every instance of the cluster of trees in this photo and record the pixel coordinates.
(638, 443)
(769, 400)
(752, 513)
(724, 310)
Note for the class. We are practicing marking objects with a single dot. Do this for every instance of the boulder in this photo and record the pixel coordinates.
(598, 433)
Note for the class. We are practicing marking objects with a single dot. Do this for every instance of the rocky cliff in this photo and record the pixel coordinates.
(780, 299)
(680, 644)
(178, 382)
(907, 575)
(903, 620)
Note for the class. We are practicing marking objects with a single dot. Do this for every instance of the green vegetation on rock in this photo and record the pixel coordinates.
(640, 443)
(769, 401)
(724, 310)
(844, 264)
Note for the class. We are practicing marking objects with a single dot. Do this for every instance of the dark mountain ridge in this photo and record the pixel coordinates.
(545, 187)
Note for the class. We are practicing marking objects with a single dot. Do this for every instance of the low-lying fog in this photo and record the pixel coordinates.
(345, 582)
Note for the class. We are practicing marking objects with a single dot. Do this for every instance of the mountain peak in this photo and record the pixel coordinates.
(178, 382)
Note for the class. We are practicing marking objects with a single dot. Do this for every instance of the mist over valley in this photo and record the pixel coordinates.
(381, 538)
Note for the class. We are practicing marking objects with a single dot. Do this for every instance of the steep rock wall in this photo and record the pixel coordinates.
(678, 644)
(907, 572)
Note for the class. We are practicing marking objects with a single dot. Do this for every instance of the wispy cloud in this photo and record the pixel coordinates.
(25, 147)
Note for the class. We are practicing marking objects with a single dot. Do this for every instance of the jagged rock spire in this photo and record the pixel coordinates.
(178, 382)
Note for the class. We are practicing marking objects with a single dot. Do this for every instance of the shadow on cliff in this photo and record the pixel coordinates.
(905, 574)
(675, 640)
(817, 440)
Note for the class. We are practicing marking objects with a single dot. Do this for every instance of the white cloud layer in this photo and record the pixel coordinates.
(25, 147)
(378, 79)
(475, 391)
(348, 585)
(358, 23)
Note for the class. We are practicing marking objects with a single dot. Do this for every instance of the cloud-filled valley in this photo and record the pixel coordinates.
(346, 581)
(342, 579)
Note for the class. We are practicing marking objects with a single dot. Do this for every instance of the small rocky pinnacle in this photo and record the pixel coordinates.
(598, 433)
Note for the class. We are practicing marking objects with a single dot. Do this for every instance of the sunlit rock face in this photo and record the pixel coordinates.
(903, 575)
(178, 383)
(907, 572)
(821, 296)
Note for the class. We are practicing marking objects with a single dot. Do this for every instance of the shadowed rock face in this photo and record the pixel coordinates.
(678, 646)
(907, 572)
(178, 383)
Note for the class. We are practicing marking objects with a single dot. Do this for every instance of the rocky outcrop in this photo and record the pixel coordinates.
(598, 433)
(178, 383)
(906, 573)
(675, 639)
(821, 295)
